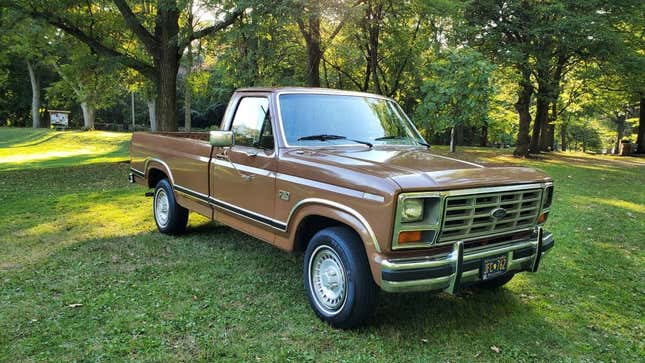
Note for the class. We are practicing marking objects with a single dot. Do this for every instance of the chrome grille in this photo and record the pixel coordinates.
(467, 216)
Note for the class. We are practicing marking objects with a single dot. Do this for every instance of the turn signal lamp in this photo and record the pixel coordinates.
(542, 218)
(409, 236)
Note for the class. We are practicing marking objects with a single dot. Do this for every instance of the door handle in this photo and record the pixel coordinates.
(247, 177)
(251, 154)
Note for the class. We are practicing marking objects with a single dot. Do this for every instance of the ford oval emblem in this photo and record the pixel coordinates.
(498, 213)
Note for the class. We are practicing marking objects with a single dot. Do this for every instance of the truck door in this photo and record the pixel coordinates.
(243, 176)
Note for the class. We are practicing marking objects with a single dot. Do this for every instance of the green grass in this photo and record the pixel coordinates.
(82, 235)
(32, 149)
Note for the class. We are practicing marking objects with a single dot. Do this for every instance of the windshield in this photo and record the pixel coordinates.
(324, 119)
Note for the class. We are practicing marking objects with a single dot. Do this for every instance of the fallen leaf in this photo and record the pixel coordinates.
(424, 340)
(74, 305)
(478, 354)
(495, 349)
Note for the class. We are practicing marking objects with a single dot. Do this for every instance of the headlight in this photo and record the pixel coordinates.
(412, 210)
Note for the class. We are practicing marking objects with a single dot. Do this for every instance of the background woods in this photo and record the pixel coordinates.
(535, 75)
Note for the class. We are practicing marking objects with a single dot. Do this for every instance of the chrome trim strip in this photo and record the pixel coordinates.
(320, 185)
(274, 223)
(256, 217)
(244, 168)
(137, 172)
(343, 208)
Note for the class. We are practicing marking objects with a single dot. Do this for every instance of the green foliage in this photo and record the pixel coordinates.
(457, 92)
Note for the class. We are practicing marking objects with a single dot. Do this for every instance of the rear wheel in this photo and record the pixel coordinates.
(170, 217)
(495, 283)
(337, 278)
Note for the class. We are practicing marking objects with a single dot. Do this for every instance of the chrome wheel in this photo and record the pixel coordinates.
(327, 280)
(162, 207)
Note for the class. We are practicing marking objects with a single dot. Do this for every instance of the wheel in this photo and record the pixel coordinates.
(495, 283)
(171, 218)
(337, 278)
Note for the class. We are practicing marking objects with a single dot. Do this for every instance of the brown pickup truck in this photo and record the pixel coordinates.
(347, 179)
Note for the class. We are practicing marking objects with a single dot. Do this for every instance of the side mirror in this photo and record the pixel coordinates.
(222, 138)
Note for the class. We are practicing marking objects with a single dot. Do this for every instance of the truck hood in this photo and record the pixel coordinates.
(416, 169)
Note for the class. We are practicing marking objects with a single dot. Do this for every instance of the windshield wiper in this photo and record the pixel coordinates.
(325, 137)
(400, 138)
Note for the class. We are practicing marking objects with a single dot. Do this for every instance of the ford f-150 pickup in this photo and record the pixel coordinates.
(346, 178)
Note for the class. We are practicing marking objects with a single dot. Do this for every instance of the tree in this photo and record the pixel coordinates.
(93, 80)
(542, 41)
(457, 93)
(160, 38)
(27, 40)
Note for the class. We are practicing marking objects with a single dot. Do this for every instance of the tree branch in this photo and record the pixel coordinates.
(337, 68)
(230, 19)
(144, 68)
(148, 40)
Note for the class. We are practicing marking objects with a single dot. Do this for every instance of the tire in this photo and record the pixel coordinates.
(344, 295)
(495, 283)
(170, 217)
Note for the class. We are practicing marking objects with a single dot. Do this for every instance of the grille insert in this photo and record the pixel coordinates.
(467, 216)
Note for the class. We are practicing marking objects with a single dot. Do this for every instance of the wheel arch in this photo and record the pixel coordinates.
(309, 218)
(156, 170)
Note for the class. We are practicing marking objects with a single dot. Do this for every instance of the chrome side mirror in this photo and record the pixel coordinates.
(221, 138)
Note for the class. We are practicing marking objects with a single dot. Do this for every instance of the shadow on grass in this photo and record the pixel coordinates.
(12, 137)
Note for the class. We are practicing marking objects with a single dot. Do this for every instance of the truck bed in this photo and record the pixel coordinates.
(183, 156)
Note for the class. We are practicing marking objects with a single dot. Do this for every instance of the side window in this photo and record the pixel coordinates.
(252, 123)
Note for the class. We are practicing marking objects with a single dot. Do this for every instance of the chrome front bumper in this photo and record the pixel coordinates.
(449, 272)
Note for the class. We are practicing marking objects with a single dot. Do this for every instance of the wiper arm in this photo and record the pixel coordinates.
(325, 137)
(401, 137)
(322, 137)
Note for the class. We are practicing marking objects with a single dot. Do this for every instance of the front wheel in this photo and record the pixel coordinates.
(337, 278)
(171, 218)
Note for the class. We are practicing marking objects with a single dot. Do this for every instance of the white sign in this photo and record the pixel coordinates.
(59, 118)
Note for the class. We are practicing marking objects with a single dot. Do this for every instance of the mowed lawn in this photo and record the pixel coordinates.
(85, 275)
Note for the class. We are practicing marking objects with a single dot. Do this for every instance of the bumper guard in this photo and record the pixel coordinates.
(449, 272)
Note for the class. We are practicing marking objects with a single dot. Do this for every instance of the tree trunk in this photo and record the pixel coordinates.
(152, 114)
(541, 119)
(314, 53)
(35, 96)
(166, 59)
(620, 132)
(89, 114)
(187, 89)
(640, 141)
(563, 136)
(452, 140)
(522, 106)
(484, 137)
(373, 23)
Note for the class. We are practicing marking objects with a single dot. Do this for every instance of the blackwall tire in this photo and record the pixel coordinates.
(170, 217)
(337, 278)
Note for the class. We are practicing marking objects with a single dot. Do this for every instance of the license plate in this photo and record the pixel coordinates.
(493, 267)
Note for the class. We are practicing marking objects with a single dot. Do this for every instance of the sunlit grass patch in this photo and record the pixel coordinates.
(25, 148)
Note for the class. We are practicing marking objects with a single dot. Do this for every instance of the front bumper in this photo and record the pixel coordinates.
(449, 272)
